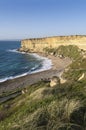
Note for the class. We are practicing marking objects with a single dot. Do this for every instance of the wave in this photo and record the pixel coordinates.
(13, 77)
(12, 50)
(15, 51)
(46, 65)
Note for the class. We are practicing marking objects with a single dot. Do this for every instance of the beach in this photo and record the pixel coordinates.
(58, 66)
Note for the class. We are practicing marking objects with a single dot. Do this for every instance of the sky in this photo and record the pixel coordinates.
(21, 19)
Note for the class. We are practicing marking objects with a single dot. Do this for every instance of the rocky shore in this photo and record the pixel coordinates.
(49, 104)
(58, 66)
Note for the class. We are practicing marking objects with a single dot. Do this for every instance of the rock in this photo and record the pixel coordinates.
(38, 44)
(54, 81)
(24, 91)
(81, 77)
(62, 80)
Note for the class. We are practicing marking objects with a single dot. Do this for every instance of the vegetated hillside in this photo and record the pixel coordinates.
(70, 51)
(62, 107)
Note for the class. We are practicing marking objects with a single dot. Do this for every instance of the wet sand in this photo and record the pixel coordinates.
(58, 66)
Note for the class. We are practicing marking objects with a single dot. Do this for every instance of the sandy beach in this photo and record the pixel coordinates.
(58, 66)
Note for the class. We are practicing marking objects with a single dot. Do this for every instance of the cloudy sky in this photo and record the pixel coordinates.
(40, 18)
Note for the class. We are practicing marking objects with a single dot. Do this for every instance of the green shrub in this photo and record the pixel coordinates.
(67, 51)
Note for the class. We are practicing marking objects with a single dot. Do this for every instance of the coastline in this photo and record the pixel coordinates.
(45, 65)
(58, 66)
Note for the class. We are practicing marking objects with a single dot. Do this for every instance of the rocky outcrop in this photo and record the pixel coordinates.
(81, 77)
(55, 81)
(38, 44)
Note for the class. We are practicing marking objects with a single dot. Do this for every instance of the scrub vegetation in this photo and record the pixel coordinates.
(62, 107)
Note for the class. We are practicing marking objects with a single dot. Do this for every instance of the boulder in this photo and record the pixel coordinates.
(54, 81)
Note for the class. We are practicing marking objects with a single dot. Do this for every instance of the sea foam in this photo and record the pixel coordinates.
(46, 65)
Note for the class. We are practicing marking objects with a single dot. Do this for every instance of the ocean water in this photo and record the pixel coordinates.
(14, 64)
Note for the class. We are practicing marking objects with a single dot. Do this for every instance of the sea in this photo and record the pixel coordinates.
(14, 64)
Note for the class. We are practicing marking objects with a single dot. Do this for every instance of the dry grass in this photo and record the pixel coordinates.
(41, 93)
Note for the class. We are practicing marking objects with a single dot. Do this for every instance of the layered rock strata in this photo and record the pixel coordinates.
(38, 44)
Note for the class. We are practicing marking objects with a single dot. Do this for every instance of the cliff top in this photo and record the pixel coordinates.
(61, 37)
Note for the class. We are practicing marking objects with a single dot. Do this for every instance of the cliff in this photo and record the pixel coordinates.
(38, 44)
(40, 107)
(37, 106)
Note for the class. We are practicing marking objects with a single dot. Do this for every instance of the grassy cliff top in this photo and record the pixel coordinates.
(62, 107)
(61, 37)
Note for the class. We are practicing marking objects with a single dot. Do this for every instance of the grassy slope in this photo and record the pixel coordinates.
(45, 108)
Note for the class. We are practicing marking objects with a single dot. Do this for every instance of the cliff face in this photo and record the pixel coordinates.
(38, 44)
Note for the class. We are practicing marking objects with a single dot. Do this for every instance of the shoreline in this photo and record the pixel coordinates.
(58, 66)
(46, 65)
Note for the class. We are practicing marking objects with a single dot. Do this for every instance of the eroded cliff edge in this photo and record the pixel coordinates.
(39, 44)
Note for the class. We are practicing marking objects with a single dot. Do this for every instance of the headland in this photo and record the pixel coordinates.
(47, 47)
(51, 99)
(40, 44)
